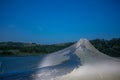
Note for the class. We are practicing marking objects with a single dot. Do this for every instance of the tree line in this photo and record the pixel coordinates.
(109, 47)
(18, 49)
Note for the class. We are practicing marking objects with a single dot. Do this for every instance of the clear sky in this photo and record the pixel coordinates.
(56, 21)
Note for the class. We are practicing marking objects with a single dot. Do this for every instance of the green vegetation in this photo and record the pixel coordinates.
(109, 47)
(23, 49)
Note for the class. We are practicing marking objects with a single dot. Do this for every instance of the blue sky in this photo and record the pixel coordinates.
(56, 21)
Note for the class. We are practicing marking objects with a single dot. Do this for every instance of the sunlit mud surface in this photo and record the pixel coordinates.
(80, 61)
